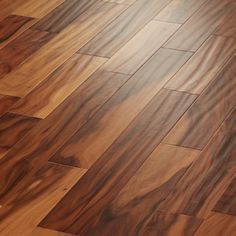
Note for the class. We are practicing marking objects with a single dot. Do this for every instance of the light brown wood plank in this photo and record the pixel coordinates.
(201, 25)
(58, 86)
(141, 47)
(199, 123)
(179, 11)
(6, 102)
(58, 50)
(98, 134)
(46, 232)
(129, 2)
(202, 68)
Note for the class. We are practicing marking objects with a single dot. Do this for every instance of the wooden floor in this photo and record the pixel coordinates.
(118, 117)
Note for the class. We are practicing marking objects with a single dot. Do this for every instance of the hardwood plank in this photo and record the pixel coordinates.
(18, 50)
(26, 207)
(46, 232)
(6, 102)
(141, 47)
(200, 122)
(13, 128)
(63, 15)
(12, 26)
(228, 28)
(37, 9)
(50, 134)
(58, 86)
(123, 28)
(179, 11)
(201, 25)
(110, 173)
(129, 2)
(227, 202)
(202, 68)
(218, 225)
(90, 142)
(206, 180)
(135, 210)
(59, 49)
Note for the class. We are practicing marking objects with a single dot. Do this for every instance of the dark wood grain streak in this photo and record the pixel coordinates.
(13, 128)
(111, 172)
(46, 232)
(6, 102)
(208, 178)
(18, 50)
(123, 28)
(86, 146)
(200, 122)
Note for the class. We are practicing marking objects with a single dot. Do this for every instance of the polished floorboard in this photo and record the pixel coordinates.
(118, 118)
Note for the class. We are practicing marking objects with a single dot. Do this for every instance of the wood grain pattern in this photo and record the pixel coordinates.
(118, 164)
(202, 68)
(129, 2)
(201, 25)
(13, 128)
(58, 86)
(218, 225)
(51, 133)
(45, 232)
(207, 179)
(37, 9)
(135, 210)
(6, 102)
(227, 202)
(18, 50)
(201, 121)
(25, 208)
(59, 49)
(141, 47)
(123, 28)
(179, 11)
(86, 146)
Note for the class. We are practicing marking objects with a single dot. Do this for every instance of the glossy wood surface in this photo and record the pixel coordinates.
(118, 118)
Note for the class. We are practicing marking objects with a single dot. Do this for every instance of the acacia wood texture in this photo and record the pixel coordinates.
(12, 26)
(123, 28)
(37, 9)
(28, 204)
(58, 86)
(50, 134)
(13, 128)
(200, 122)
(179, 11)
(141, 47)
(217, 225)
(135, 210)
(228, 28)
(46, 232)
(63, 15)
(208, 178)
(201, 25)
(227, 202)
(89, 143)
(21, 48)
(111, 172)
(202, 68)
(59, 49)
(6, 102)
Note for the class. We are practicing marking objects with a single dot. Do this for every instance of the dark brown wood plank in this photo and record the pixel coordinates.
(123, 28)
(202, 68)
(111, 172)
(179, 11)
(58, 86)
(18, 50)
(89, 143)
(46, 232)
(6, 102)
(201, 25)
(227, 202)
(13, 128)
(200, 122)
(50, 134)
(207, 179)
